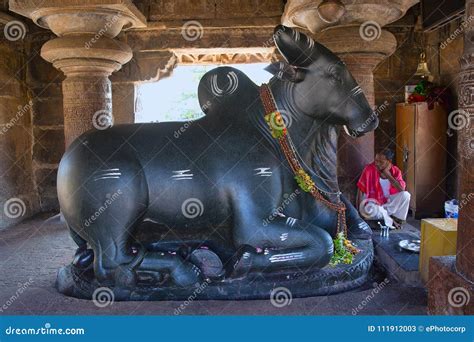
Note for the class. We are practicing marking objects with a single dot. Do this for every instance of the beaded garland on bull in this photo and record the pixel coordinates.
(343, 248)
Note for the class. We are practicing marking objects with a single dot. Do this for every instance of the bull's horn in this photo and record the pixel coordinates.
(286, 72)
(296, 47)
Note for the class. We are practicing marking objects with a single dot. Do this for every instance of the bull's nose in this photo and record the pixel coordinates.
(369, 124)
(374, 122)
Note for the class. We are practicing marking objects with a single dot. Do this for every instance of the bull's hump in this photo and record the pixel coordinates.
(226, 93)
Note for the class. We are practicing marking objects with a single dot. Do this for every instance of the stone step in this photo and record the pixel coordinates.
(400, 264)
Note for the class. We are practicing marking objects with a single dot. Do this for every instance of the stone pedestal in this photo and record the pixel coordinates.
(86, 52)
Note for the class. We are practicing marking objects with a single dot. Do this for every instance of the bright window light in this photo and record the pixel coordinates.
(175, 98)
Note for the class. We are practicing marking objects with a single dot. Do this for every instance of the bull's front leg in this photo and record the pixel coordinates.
(284, 242)
(357, 228)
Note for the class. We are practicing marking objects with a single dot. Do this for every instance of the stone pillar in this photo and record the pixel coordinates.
(86, 52)
(87, 91)
(361, 56)
(451, 278)
(465, 242)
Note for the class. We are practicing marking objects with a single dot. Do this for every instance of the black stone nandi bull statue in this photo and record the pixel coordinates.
(157, 209)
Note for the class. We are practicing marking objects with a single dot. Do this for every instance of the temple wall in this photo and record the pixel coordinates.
(392, 74)
(18, 195)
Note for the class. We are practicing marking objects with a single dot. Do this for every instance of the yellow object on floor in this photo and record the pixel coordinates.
(438, 237)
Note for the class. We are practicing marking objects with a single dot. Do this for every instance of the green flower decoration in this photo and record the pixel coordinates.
(342, 253)
(277, 124)
(304, 181)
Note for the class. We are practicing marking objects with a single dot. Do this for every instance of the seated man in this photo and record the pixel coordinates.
(382, 192)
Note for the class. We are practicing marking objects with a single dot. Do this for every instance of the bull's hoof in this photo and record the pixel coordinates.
(83, 258)
(186, 274)
(241, 263)
(208, 262)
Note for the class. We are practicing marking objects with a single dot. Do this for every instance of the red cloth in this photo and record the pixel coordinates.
(369, 182)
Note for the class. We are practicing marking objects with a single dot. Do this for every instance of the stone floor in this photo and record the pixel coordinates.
(32, 252)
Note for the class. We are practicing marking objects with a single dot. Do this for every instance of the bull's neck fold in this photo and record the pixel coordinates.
(315, 141)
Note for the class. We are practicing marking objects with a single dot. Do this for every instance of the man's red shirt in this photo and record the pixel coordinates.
(369, 182)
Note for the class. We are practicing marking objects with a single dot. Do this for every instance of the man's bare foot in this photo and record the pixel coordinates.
(397, 223)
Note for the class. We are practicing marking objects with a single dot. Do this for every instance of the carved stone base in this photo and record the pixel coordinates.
(78, 283)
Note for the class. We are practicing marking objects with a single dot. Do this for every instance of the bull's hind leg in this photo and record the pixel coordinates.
(105, 210)
(115, 263)
(111, 236)
(82, 257)
(282, 243)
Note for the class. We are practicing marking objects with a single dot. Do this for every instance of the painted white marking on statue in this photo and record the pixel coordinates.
(107, 174)
(263, 172)
(290, 221)
(182, 175)
(286, 257)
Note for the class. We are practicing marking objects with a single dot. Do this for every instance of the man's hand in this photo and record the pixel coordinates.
(386, 170)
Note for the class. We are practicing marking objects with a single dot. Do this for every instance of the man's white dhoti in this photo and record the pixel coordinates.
(396, 206)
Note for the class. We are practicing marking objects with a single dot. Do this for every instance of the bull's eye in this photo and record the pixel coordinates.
(335, 73)
(335, 77)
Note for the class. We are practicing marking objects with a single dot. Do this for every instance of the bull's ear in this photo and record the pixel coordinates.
(296, 47)
(286, 72)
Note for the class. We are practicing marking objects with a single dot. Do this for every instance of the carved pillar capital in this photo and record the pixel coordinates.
(107, 17)
(77, 56)
(85, 51)
(304, 13)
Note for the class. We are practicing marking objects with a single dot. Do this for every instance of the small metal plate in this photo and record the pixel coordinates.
(410, 245)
